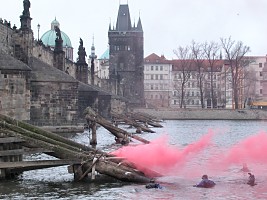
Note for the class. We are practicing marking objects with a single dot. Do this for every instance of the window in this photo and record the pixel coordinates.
(156, 76)
(188, 84)
(161, 76)
(152, 67)
(5, 75)
(152, 87)
(260, 91)
(152, 77)
(161, 68)
(260, 73)
(157, 68)
(193, 93)
(260, 64)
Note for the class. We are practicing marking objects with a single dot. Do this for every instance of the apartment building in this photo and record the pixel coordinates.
(157, 81)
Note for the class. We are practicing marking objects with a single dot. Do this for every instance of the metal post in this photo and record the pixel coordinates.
(38, 26)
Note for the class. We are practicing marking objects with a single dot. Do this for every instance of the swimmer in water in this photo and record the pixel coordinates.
(251, 179)
(153, 185)
(205, 183)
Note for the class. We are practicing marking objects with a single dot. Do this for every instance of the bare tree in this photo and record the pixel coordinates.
(250, 86)
(183, 65)
(211, 53)
(198, 58)
(235, 52)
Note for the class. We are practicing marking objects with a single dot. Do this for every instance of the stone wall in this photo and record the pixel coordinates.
(43, 53)
(6, 39)
(224, 114)
(15, 95)
(54, 103)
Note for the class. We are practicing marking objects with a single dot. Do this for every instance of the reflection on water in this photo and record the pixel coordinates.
(56, 183)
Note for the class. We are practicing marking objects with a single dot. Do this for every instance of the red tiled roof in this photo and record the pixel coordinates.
(178, 64)
(154, 58)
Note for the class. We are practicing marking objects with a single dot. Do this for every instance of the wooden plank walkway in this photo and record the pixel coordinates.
(39, 164)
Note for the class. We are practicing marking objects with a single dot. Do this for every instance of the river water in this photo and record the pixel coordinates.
(56, 183)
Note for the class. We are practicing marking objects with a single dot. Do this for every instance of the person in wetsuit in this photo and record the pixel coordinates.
(205, 183)
(251, 179)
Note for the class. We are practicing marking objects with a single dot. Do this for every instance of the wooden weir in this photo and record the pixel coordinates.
(18, 138)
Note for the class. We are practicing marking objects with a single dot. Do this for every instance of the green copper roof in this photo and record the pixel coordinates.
(105, 55)
(49, 37)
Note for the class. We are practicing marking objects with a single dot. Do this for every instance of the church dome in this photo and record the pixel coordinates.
(49, 37)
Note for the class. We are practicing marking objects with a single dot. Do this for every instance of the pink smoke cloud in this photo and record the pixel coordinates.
(250, 150)
(160, 156)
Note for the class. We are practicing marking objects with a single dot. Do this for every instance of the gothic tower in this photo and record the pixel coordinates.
(126, 44)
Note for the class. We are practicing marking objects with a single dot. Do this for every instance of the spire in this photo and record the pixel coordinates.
(139, 25)
(123, 19)
(109, 28)
(93, 57)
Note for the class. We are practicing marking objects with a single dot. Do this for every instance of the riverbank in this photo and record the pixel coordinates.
(206, 114)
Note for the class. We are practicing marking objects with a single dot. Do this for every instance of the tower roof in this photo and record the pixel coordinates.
(49, 37)
(123, 19)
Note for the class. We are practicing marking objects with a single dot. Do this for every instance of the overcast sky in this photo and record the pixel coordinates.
(167, 24)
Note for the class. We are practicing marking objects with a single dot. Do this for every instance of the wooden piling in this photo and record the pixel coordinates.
(93, 141)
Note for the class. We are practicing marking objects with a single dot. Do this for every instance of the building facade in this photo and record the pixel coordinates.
(166, 79)
(157, 82)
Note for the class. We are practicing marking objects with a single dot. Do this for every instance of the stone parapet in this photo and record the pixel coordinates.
(206, 114)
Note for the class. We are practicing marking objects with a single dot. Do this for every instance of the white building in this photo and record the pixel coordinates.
(157, 81)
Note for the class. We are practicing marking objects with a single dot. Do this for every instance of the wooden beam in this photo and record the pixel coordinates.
(13, 152)
(10, 140)
(31, 165)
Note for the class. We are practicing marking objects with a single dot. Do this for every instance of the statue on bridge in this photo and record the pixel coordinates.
(58, 41)
(81, 52)
(26, 5)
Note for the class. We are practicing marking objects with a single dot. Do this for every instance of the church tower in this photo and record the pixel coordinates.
(126, 44)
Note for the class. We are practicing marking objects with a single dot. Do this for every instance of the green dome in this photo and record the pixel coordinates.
(49, 37)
